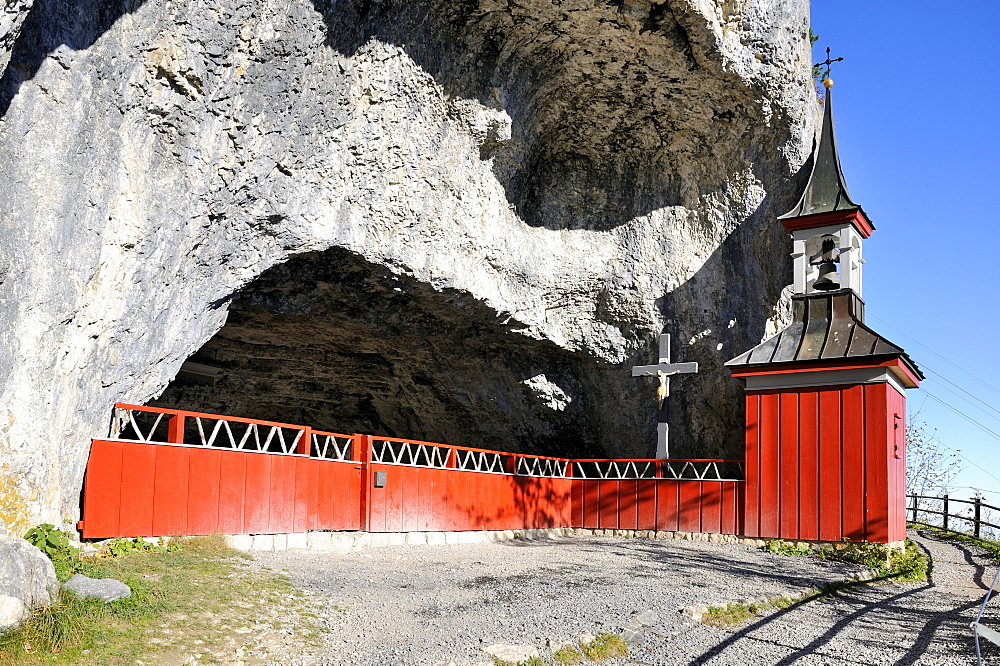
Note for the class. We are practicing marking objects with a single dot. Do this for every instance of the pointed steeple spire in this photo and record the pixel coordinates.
(826, 191)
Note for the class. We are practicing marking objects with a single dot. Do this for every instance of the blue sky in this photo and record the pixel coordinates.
(915, 107)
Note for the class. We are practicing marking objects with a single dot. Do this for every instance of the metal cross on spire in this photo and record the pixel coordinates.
(828, 63)
(663, 370)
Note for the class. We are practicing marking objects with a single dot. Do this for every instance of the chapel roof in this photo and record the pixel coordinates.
(826, 326)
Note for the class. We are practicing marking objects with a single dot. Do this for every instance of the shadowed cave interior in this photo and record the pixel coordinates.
(335, 342)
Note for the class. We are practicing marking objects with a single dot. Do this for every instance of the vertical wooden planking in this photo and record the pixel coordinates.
(668, 515)
(711, 507)
(330, 488)
(256, 501)
(690, 506)
(853, 437)
(608, 519)
(576, 491)
(752, 466)
(232, 491)
(281, 504)
(377, 520)
(809, 465)
(203, 490)
(829, 460)
(788, 465)
(877, 451)
(305, 498)
(102, 488)
(770, 500)
(897, 510)
(646, 494)
(591, 504)
(138, 461)
(730, 508)
(628, 499)
(170, 490)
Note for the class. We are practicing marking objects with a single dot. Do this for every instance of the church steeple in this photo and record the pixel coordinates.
(827, 227)
(826, 190)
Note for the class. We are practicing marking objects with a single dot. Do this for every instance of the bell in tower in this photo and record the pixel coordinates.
(826, 259)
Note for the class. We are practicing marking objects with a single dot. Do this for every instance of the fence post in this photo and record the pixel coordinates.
(175, 429)
(978, 514)
(361, 452)
(914, 509)
(305, 442)
(945, 511)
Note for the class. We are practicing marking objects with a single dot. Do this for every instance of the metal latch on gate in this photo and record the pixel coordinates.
(380, 479)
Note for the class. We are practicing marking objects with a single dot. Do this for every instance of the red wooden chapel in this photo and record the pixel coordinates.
(825, 403)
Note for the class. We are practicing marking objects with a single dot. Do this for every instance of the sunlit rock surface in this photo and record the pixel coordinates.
(460, 221)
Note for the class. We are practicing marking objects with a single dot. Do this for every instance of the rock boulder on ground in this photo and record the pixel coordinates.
(27, 580)
(106, 589)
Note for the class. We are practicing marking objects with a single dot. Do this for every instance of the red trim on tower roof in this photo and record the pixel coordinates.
(896, 364)
(855, 216)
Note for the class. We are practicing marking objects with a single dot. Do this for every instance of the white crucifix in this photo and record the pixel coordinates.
(663, 371)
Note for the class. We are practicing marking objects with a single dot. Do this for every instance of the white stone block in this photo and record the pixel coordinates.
(263, 542)
(241, 542)
(280, 541)
(298, 540)
(416, 538)
(396, 539)
(320, 541)
(436, 539)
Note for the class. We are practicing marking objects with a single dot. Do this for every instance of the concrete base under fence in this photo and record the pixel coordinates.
(343, 542)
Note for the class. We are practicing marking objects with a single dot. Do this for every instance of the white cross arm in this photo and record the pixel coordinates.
(669, 368)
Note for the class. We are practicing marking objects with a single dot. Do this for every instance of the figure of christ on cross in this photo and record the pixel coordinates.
(663, 371)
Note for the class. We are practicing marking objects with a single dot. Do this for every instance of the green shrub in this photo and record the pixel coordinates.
(54, 543)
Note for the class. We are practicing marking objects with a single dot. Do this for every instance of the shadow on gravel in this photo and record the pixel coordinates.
(925, 625)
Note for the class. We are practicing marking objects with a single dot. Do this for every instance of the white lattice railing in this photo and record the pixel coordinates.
(168, 426)
(532, 466)
(331, 446)
(473, 460)
(697, 470)
(412, 453)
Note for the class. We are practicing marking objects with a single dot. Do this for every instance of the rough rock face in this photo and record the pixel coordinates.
(27, 579)
(488, 211)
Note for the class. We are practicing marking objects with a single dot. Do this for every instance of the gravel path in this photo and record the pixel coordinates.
(427, 605)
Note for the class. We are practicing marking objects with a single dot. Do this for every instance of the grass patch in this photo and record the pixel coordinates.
(736, 614)
(185, 600)
(567, 655)
(906, 565)
(605, 646)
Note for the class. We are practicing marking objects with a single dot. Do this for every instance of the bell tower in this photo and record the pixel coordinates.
(825, 396)
(827, 227)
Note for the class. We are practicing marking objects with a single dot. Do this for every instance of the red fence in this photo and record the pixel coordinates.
(172, 472)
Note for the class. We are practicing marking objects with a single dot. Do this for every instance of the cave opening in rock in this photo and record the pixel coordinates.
(338, 343)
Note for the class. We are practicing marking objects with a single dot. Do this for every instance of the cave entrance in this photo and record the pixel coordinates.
(338, 343)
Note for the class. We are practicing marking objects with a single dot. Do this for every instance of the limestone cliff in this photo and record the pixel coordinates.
(458, 220)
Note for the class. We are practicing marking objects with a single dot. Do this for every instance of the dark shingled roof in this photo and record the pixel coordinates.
(826, 190)
(825, 327)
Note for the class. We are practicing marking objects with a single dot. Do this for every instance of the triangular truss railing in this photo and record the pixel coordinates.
(166, 426)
